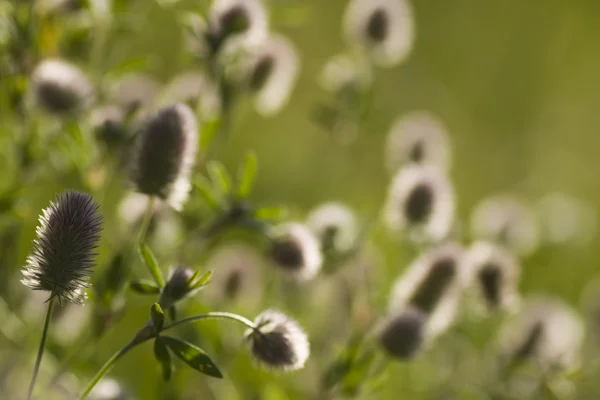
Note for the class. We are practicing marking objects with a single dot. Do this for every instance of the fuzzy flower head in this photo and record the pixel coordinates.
(165, 154)
(296, 251)
(494, 274)
(432, 284)
(278, 342)
(134, 92)
(270, 73)
(236, 275)
(242, 21)
(64, 252)
(418, 137)
(546, 331)
(507, 221)
(177, 287)
(421, 201)
(401, 334)
(335, 226)
(566, 220)
(384, 29)
(60, 87)
(343, 72)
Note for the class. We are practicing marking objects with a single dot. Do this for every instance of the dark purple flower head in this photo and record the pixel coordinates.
(278, 341)
(64, 252)
(177, 287)
(165, 154)
(402, 335)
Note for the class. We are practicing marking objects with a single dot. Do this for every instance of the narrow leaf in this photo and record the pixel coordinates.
(164, 358)
(144, 287)
(204, 189)
(151, 263)
(193, 356)
(247, 176)
(200, 281)
(172, 311)
(219, 176)
(158, 316)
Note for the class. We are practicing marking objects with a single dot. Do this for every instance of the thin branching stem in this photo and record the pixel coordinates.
(40, 353)
(146, 220)
(143, 337)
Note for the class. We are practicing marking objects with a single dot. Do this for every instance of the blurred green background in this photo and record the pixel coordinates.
(515, 82)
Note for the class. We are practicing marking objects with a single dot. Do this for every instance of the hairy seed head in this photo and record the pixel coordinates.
(401, 335)
(64, 252)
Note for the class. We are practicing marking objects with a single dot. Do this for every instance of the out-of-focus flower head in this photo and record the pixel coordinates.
(418, 137)
(421, 202)
(295, 251)
(508, 221)
(335, 226)
(384, 29)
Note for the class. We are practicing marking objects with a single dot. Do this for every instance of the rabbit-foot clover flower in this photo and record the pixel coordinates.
(242, 21)
(64, 252)
(60, 87)
(296, 251)
(546, 331)
(270, 73)
(508, 221)
(335, 226)
(417, 137)
(165, 154)
(432, 284)
(420, 201)
(278, 342)
(384, 29)
(402, 334)
(494, 273)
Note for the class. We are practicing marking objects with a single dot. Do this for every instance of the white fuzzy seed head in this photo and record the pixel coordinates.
(546, 331)
(432, 284)
(296, 251)
(335, 226)
(421, 201)
(238, 22)
(278, 342)
(508, 221)
(60, 87)
(384, 29)
(494, 275)
(417, 137)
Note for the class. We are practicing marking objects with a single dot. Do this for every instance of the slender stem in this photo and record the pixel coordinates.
(144, 337)
(107, 367)
(146, 220)
(40, 353)
(213, 315)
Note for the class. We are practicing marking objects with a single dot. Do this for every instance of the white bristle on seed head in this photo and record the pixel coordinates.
(418, 137)
(506, 220)
(256, 21)
(384, 29)
(421, 202)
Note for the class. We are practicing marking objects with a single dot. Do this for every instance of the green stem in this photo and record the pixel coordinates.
(107, 367)
(143, 337)
(213, 315)
(146, 220)
(40, 353)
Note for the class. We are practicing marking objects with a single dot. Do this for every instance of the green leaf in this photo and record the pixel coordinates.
(208, 133)
(144, 287)
(193, 356)
(270, 214)
(247, 175)
(172, 311)
(158, 316)
(197, 281)
(164, 358)
(204, 189)
(219, 176)
(150, 261)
